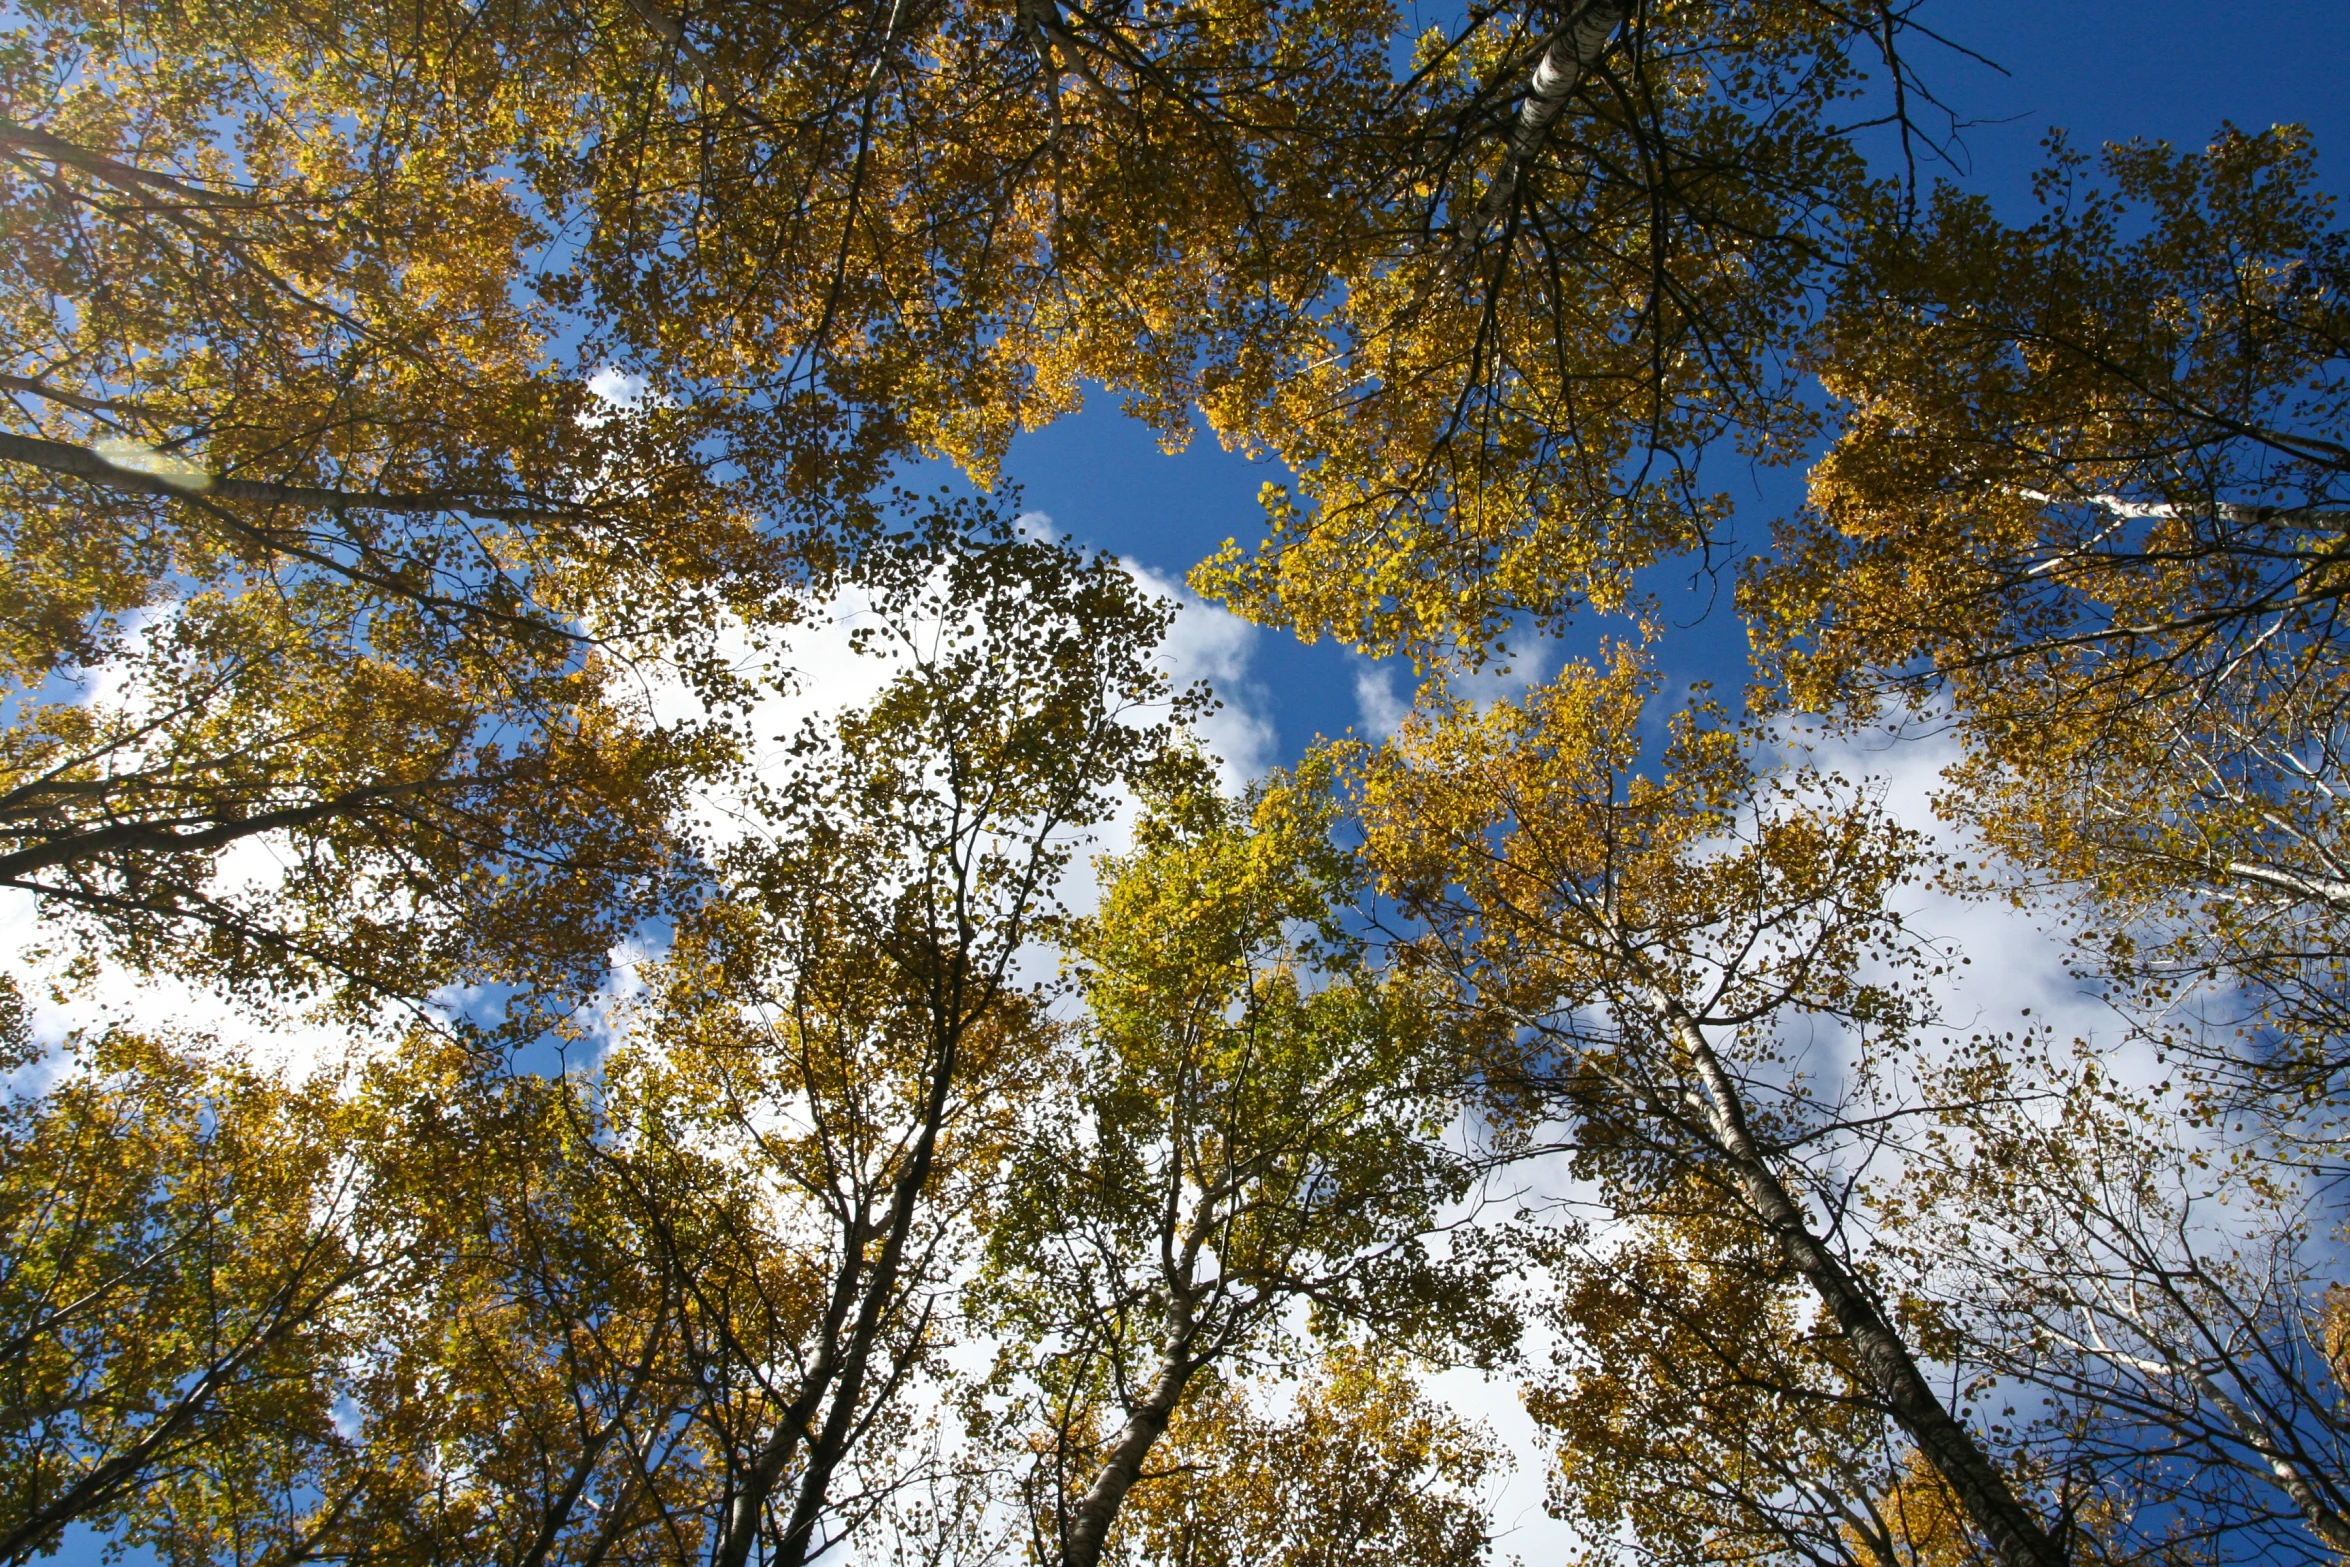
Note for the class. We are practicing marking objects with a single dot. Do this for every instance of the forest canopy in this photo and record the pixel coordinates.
(455, 457)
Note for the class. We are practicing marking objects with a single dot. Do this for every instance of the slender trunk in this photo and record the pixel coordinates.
(2327, 1524)
(1884, 1359)
(2328, 890)
(167, 838)
(741, 1528)
(840, 1376)
(1097, 1510)
(80, 462)
(125, 177)
(200, 489)
(831, 1445)
(1572, 51)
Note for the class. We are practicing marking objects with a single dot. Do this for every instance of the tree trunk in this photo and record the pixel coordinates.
(1572, 50)
(80, 462)
(1097, 1510)
(1893, 1374)
(839, 1380)
(166, 837)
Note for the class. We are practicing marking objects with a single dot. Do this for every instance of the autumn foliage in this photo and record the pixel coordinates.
(442, 447)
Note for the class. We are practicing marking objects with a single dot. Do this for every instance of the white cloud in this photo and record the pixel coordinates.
(1515, 1495)
(1216, 646)
(116, 997)
(1382, 707)
(1509, 678)
(814, 670)
(2015, 959)
(116, 680)
(625, 392)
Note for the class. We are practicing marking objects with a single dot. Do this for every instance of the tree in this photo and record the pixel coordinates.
(1585, 259)
(303, 485)
(2092, 451)
(2153, 1297)
(250, 804)
(403, 1310)
(1250, 1120)
(183, 1245)
(2086, 491)
(2086, 501)
(1618, 922)
(844, 1033)
(514, 1380)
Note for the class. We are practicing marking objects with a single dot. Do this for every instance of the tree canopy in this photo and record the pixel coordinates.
(455, 458)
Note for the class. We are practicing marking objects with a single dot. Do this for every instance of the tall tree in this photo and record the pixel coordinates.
(403, 1308)
(515, 1378)
(184, 1244)
(1250, 1120)
(2088, 491)
(1584, 263)
(2086, 501)
(2156, 1298)
(322, 539)
(1658, 939)
(848, 1027)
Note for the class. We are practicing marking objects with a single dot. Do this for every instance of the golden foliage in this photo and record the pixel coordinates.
(1366, 1468)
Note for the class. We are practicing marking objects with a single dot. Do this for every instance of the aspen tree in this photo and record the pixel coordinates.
(2087, 491)
(184, 1251)
(1251, 1121)
(314, 549)
(1652, 936)
(2157, 1300)
(1693, 1404)
(846, 1032)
